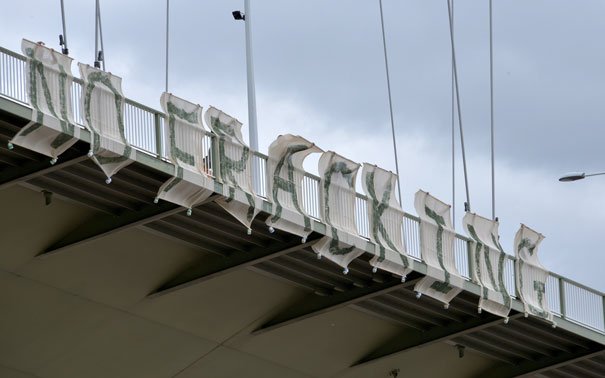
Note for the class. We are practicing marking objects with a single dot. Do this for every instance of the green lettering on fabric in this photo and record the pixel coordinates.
(176, 152)
(378, 208)
(477, 255)
(501, 285)
(36, 66)
(347, 173)
(540, 288)
(526, 243)
(335, 247)
(102, 78)
(439, 242)
(335, 168)
(228, 167)
(288, 185)
(442, 287)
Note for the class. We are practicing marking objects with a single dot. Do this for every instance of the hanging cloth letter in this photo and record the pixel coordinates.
(185, 132)
(442, 281)
(531, 275)
(338, 176)
(285, 176)
(386, 221)
(51, 130)
(488, 264)
(234, 167)
(103, 106)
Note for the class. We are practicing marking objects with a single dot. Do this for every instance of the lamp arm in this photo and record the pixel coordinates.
(595, 174)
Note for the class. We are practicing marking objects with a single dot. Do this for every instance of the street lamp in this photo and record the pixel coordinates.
(252, 129)
(239, 15)
(575, 176)
(246, 17)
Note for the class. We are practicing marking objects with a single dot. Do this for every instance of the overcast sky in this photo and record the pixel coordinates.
(320, 74)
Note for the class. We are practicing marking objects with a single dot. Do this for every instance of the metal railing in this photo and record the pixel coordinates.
(12, 75)
(145, 131)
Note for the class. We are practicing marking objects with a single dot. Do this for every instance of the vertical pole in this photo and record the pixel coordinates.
(101, 33)
(158, 135)
(471, 261)
(96, 34)
(468, 199)
(65, 49)
(491, 97)
(386, 66)
(603, 313)
(250, 76)
(214, 160)
(516, 277)
(562, 297)
(252, 125)
(167, 39)
(453, 134)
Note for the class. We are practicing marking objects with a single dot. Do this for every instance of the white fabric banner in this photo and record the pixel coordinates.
(531, 275)
(49, 79)
(338, 176)
(385, 220)
(234, 166)
(437, 237)
(285, 178)
(103, 106)
(488, 264)
(185, 133)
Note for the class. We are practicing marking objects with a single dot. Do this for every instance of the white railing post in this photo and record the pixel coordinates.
(603, 312)
(471, 262)
(159, 140)
(562, 296)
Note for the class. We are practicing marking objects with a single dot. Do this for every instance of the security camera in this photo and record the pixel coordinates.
(238, 15)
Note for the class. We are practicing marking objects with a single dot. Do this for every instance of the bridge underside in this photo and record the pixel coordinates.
(96, 281)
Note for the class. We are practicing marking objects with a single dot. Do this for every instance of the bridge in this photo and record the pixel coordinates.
(97, 280)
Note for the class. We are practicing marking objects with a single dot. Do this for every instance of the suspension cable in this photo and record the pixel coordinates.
(63, 37)
(456, 85)
(491, 97)
(99, 54)
(167, 39)
(96, 60)
(101, 34)
(386, 66)
(453, 135)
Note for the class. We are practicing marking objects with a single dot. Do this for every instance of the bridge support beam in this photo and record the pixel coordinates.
(416, 339)
(534, 367)
(316, 305)
(108, 224)
(29, 171)
(236, 260)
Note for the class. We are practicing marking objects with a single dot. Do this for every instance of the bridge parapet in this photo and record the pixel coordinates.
(144, 130)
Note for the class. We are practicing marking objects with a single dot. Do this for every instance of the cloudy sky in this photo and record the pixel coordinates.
(320, 74)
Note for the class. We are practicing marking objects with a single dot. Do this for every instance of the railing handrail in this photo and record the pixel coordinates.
(577, 284)
(12, 53)
(144, 107)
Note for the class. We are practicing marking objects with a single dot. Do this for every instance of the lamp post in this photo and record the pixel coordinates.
(257, 179)
(247, 18)
(575, 176)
